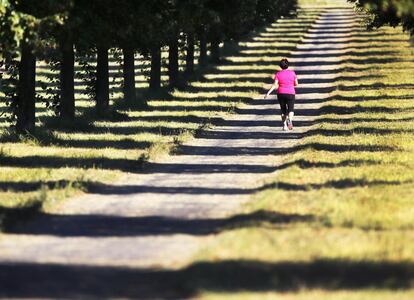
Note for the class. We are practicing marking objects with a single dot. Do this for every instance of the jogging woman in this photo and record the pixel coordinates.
(285, 82)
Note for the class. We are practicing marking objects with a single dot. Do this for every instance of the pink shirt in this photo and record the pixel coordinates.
(286, 79)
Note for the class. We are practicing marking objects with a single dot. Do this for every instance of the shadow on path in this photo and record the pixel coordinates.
(16, 280)
(134, 166)
(113, 226)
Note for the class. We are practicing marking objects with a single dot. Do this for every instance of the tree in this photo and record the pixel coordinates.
(23, 25)
(67, 78)
(190, 48)
(189, 13)
(26, 101)
(130, 17)
(97, 34)
(158, 28)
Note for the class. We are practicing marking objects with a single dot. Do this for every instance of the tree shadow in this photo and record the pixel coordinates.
(22, 186)
(124, 144)
(345, 148)
(373, 98)
(355, 109)
(305, 164)
(136, 166)
(42, 280)
(375, 86)
(105, 189)
(334, 184)
(257, 135)
(356, 130)
(189, 119)
(37, 161)
(354, 120)
(117, 226)
(47, 138)
(10, 217)
(127, 165)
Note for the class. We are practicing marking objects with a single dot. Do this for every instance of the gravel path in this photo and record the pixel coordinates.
(161, 216)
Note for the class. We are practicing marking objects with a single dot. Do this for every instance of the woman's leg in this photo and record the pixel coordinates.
(284, 122)
(284, 109)
(290, 120)
(290, 109)
(291, 115)
(284, 117)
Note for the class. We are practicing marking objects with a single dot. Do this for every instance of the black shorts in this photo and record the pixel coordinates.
(287, 103)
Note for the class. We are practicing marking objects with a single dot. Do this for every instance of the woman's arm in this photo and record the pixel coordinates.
(274, 86)
(296, 79)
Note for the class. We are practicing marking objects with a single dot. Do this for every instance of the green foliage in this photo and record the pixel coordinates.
(389, 12)
(31, 22)
(11, 32)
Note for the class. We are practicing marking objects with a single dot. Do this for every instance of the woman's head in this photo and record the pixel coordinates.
(284, 63)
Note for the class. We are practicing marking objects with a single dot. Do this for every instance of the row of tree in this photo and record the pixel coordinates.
(389, 12)
(63, 30)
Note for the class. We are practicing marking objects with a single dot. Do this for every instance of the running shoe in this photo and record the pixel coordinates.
(289, 124)
(285, 126)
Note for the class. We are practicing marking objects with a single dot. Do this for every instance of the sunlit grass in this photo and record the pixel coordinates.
(319, 294)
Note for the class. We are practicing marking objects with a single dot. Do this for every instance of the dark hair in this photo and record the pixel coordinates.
(284, 63)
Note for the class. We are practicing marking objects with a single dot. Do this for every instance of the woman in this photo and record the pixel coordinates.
(285, 82)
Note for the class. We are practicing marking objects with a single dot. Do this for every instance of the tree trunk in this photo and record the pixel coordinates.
(215, 51)
(26, 105)
(67, 80)
(190, 54)
(173, 68)
(102, 81)
(129, 74)
(155, 80)
(203, 51)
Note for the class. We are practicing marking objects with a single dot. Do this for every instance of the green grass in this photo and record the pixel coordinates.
(336, 221)
(67, 157)
(342, 205)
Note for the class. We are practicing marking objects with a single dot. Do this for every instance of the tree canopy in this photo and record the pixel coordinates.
(389, 12)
